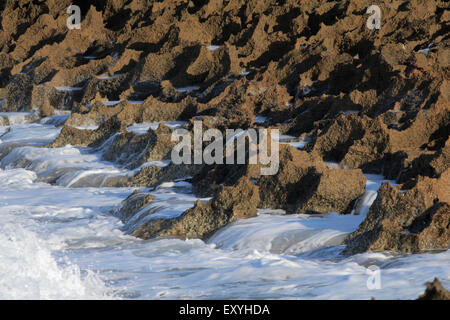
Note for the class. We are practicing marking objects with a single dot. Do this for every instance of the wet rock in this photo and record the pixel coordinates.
(46, 109)
(134, 150)
(95, 115)
(297, 169)
(46, 98)
(435, 291)
(304, 184)
(133, 203)
(410, 221)
(86, 137)
(375, 101)
(18, 96)
(152, 176)
(201, 221)
(147, 177)
(4, 121)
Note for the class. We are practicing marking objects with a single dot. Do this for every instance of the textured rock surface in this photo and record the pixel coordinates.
(304, 184)
(374, 101)
(135, 202)
(435, 291)
(410, 221)
(333, 191)
(230, 204)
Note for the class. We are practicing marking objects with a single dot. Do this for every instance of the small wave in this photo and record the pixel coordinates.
(29, 271)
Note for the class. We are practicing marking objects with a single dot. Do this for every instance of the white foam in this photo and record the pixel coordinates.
(332, 165)
(296, 142)
(68, 166)
(56, 120)
(142, 128)
(69, 89)
(213, 47)
(30, 134)
(17, 117)
(29, 271)
(12, 179)
(187, 89)
(260, 119)
(289, 234)
(63, 243)
(427, 49)
(111, 103)
(306, 90)
(87, 127)
(158, 163)
(114, 76)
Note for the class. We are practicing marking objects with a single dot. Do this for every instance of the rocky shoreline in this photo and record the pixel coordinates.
(365, 101)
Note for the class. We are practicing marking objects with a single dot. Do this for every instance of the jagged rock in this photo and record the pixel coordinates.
(95, 115)
(134, 150)
(156, 110)
(300, 66)
(304, 184)
(435, 291)
(108, 86)
(6, 64)
(368, 152)
(86, 137)
(4, 121)
(47, 98)
(18, 97)
(151, 176)
(414, 164)
(147, 177)
(411, 221)
(334, 190)
(230, 204)
(297, 168)
(334, 143)
(133, 203)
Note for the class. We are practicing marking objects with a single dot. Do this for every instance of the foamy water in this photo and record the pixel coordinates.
(60, 240)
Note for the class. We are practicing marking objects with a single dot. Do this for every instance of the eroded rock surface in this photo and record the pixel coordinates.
(373, 101)
(435, 291)
(201, 221)
(409, 221)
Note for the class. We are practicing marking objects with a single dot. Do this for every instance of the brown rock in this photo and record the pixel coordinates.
(306, 66)
(297, 170)
(334, 143)
(304, 184)
(414, 220)
(19, 91)
(368, 152)
(201, 221)
(334, 191)
(80, 137)
(435, 291)
(135, 202)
